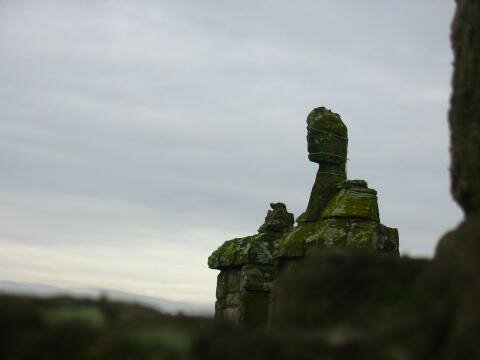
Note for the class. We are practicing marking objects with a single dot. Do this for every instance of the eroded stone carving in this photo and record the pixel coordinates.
(340, 213)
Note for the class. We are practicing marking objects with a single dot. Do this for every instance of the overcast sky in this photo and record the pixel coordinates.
(137, 136)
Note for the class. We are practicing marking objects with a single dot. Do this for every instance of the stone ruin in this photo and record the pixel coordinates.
(248, 270)
(341, 213)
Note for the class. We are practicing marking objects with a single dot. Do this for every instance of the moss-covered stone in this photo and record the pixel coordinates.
(237, 252)
(327, 137)
(328, 233)
(257, 278)
(340, 214)
(388, 240)
(292, 244)
(363, 235)
(256, 249)
(278, 220)
(352, 233)
(327, 143)
(327, 179)
(231, 253)
(353, 202)
(247, 272)
(350, 219)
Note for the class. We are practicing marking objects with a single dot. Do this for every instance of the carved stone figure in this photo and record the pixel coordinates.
(340, 213)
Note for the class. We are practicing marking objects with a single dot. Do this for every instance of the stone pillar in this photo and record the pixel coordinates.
(327, 143)
(247, 271)
(464, 116)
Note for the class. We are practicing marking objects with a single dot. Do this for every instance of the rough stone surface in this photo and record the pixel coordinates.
(247, 270)
(278, 220)
(256, 249)
(453, 279)
(350, 219)
(464, 116)
(353, 202)
(327, 137)
(327, 144)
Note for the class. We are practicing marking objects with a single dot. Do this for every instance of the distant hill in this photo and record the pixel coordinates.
(45, 291)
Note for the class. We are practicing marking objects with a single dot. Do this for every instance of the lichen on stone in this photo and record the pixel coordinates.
(328, 233)
(353, 202)
(292, 244)
(340, 214)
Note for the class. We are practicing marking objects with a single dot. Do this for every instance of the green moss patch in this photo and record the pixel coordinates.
(351, 203)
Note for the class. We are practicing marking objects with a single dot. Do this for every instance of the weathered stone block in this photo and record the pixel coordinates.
(232, 314)
(233, 280)
(221, 291)
(328, 233)
(292, 244)
(352, 203)
(363, 234)
(257, 278)
(388, 240)
(233, 300)
(278, 220)
(220, 306)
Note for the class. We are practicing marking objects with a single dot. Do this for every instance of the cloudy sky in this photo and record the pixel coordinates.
(137, 136)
